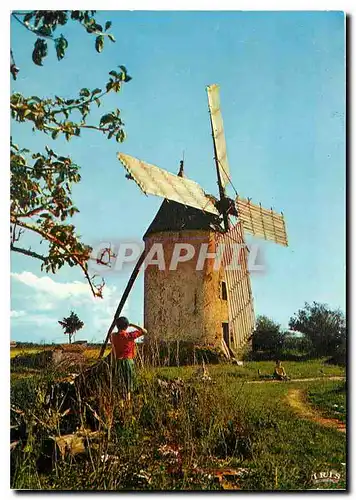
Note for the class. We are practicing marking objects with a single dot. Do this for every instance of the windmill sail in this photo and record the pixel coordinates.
(240, 300)
(218, 133)
(262, 222)
(159, 182)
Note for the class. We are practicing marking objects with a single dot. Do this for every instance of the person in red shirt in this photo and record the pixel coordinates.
(123, 352)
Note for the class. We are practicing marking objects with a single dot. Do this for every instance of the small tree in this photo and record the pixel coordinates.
(267, 336)
(71, 325)
(325, 327)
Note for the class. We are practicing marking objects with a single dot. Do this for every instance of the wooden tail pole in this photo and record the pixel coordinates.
(123, 300)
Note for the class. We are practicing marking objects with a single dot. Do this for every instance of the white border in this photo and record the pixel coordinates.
(247, 5)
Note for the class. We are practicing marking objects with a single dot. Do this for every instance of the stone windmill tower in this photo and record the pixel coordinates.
(187, 300)
(194, 299)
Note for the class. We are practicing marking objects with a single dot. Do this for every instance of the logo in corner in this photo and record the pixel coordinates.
(325, 477)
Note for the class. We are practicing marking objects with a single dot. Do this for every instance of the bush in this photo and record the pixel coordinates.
(324, 327)
(267, 340)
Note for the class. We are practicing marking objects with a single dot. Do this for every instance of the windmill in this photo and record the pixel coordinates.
(221, 310)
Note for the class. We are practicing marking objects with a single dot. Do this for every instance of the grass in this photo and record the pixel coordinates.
(91, 353)
(295, 369)
(23, 351)
(285, 450)
(330, 401)
(228, 423)
(285, 445)
(249, 371)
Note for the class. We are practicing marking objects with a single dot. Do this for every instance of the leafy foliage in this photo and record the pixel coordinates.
(300, 344)
(43, 24)
(267, 336)
(41, 182)
(71, 325)
(324, 327)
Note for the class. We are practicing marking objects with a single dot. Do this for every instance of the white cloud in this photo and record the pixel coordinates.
(47, 294)
(55, 289)
(16, 314)
(35, 319)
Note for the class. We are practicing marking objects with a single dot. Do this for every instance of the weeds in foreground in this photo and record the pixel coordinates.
(172, 436)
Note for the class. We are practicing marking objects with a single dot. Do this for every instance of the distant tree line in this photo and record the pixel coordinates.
(319, 332)
(48, 344)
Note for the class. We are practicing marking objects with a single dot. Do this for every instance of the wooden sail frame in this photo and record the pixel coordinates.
(262, 222)
(237, 276)
(159, 182)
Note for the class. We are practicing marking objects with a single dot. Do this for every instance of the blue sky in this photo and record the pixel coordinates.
(282, 86)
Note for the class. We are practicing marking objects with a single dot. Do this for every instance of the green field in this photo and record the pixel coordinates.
(90, 352)
(294, 369)
(231, 422)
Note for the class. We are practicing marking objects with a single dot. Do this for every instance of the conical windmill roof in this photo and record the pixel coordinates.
(173, 216)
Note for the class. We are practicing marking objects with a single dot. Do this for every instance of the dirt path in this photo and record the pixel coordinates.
(271, 381)
(296, 399)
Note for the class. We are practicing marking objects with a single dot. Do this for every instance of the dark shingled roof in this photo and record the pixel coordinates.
(173, 216)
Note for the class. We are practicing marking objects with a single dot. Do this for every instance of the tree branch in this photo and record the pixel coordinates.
(29, 253)
(74, 106)
(63, 246)
(35, 32)
(31, 213)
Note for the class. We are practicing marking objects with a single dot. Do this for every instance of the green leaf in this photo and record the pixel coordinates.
(40, 51)
(108, 118)
(44, 31)
(84, 92)
(107, 25)
(61, 45)
(109, 85)
(99, 43)
(112, 38)
(28, 17)
(120, 136)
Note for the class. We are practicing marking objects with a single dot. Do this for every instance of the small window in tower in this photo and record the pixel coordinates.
(223, 290)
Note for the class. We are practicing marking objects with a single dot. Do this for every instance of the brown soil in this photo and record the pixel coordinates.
(296, 399)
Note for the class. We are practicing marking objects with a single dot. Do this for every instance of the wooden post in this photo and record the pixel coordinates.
(123, 299)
